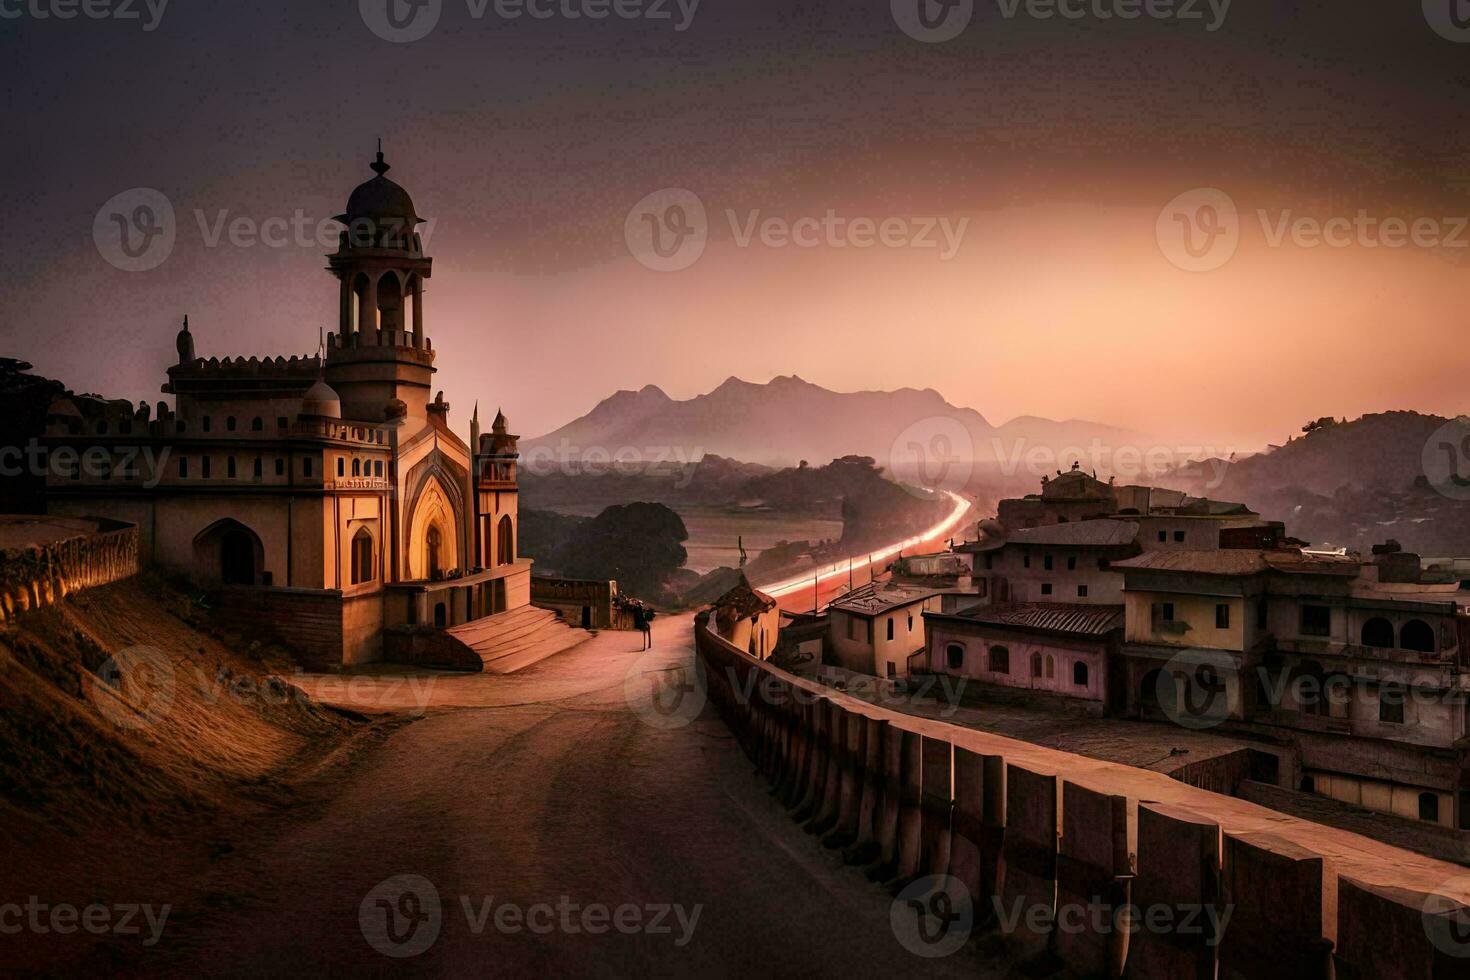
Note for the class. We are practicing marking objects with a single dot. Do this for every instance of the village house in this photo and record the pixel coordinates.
(878, 628)
(749, 619)
(327, 492)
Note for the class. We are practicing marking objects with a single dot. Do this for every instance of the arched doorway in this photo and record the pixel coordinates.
(434, 552)
(433, 544)
(441, 615)
(237, 557)
(505, 542)
(363, 566)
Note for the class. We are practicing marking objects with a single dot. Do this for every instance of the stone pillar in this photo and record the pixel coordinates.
(1386, 933)
(826, 813)
(850, 789)
(367, 317)
(864, 847)
(937, 805)
(418, 312)
(1028, 861)
(1093, 872)
(1273, 889)
(1178, 869)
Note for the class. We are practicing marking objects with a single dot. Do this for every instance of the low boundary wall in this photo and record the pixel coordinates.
(1027, 835)
(42, 574)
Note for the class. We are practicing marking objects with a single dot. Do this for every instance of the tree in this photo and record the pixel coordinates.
(640, 545)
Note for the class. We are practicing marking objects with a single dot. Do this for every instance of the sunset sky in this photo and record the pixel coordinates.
(1059, 142)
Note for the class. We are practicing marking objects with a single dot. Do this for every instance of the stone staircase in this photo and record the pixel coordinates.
(512, 640)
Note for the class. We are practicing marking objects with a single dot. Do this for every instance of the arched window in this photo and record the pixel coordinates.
(357, 467)
(1051, 667)
(229, 423)
(1378, 633)
(1416, 635)
(1000, 660)
(954, 656)
(1079, 674)
(1429, 807)
(363, 566)
(257, 424)
(505, 542)
(1036, 665)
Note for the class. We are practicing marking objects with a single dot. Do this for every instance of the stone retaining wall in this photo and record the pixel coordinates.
(1035, 842)
(39, 575)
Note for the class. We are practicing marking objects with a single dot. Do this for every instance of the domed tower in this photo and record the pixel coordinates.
(379, 353)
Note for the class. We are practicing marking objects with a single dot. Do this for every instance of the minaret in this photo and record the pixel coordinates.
(184, 342)
(379, 352)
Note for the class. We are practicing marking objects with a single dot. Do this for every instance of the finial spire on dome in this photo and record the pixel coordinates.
(378, 166)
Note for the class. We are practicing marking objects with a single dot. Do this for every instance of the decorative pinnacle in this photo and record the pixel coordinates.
(378, 166)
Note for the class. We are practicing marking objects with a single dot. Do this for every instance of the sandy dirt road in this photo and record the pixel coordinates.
(551, 789)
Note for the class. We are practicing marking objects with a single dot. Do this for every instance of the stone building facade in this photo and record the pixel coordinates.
(326, 491)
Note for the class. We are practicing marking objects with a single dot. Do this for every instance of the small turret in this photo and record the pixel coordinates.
(185, 343)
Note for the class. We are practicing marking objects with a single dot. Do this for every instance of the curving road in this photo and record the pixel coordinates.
(561, 792)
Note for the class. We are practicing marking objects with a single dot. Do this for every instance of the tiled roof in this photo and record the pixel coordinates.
(1077, 619)
(742, 601)
(871, 599)
(1097, 533)
(1240, 562)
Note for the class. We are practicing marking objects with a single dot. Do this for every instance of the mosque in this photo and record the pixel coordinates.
(326, 496)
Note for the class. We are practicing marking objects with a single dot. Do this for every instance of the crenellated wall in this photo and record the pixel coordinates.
(93, 552)
(1051, 848)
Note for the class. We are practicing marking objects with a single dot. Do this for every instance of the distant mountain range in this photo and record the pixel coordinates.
(788, 420)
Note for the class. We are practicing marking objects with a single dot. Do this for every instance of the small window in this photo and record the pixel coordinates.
(230, 423)
(341, 466)
(892, 669)
(179, 426)
(184, 467)
(1046, 588)
(954, 656)
(1051, 667)
(911, 622)
(1429, 807)
(1309, 784)
(230, 467)
(1164, 612)
(102, 428)
(1036, 665)
(1164, 536)
(1000, 660)
(257, 424)
(1082, 592)
(1179, 536)
(306, 466)
(1046, 563)
(1316, 621)
(280, 466)
(890, 627)
(1071, 563)
(1261, 613)
(204, 423)
(378, 468)
(357, 467)
(1079, 674)
(1418, 636)
(204, 467)
(1222, 616)
(1391, 704)
(1025, 561)
(281, 422)
(257, 468)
